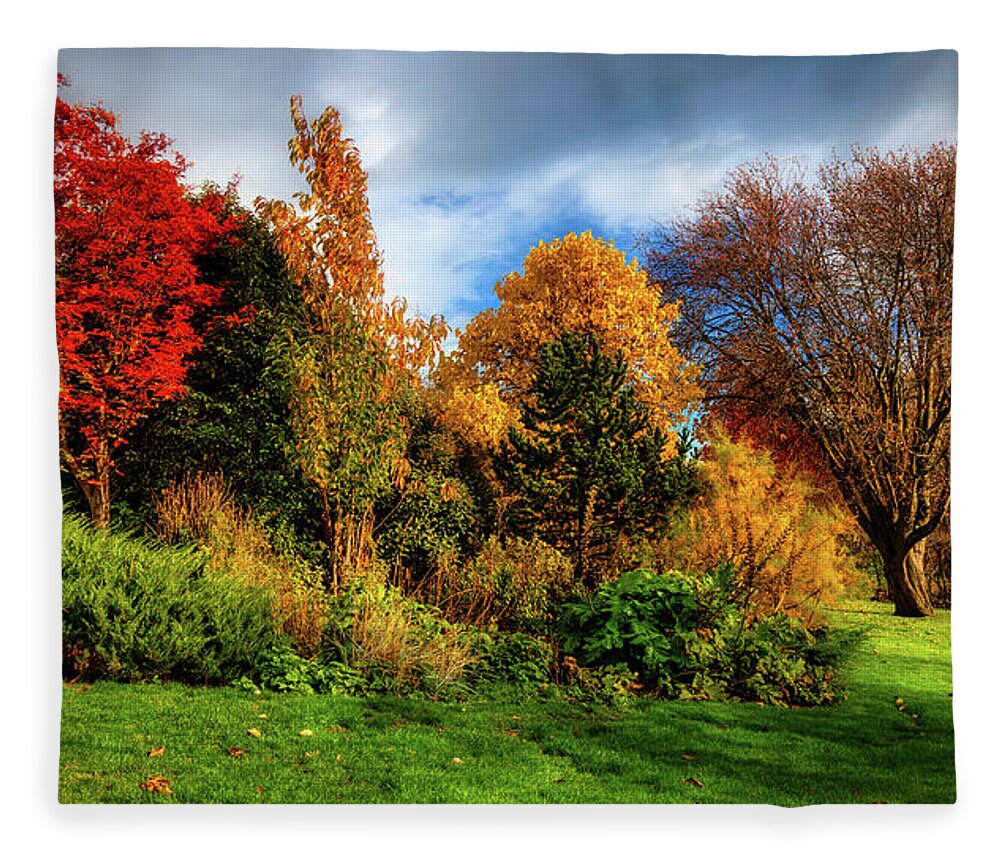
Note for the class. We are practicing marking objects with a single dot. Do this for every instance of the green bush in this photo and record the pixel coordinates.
(642, 620)
(515, 659)
(688, 638)
(280, 668)
(134, 611)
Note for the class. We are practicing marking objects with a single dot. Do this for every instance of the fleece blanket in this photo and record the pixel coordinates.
(492, 428)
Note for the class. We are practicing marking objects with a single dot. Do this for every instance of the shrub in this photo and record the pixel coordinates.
(642, 620)
(201, 508)
(512, 585)
(134, 611)
(397, 644)
(783, 535)
(518, 660)
(687, 638)
(281, 669)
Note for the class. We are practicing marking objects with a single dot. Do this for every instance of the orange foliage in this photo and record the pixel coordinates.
(329, 242)
(780, 532)
(583, 284)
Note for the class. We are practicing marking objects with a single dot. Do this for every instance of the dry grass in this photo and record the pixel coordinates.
(201, 508)
(392, 633)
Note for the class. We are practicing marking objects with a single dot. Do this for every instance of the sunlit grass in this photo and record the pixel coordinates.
(323, 749)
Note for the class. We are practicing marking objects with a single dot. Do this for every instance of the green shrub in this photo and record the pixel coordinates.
(135, 611)
(688, 638)
(642, 620)
(281, 668)
(515, 659)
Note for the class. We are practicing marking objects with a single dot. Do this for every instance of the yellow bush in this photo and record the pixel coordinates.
(784, 536)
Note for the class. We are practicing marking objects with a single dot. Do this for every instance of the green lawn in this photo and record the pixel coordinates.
(868, 749)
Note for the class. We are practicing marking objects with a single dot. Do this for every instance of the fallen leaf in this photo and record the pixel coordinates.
(697, 783)
(687, 756)
(311, 753)
(236, 752)
(155, 751)
(254, 732)
(457, 760)
(158, 784)
(899, 701)
(306, 733)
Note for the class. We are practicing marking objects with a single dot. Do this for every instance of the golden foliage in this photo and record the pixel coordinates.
(584, 284)
(477, 413)
(785, 537)
(388, 632)
(328, 241)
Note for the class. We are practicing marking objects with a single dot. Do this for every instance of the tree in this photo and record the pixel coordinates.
(358, 354)
(829, 305)
(581, 284)
(783, 535)
(588, 464)
(128, 289)
(234, 418)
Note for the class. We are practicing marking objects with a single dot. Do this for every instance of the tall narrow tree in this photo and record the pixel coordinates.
(358, 353)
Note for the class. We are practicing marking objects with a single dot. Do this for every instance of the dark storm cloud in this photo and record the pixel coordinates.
(469, 153)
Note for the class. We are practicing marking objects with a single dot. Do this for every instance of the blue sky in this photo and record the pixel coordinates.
(475, 157)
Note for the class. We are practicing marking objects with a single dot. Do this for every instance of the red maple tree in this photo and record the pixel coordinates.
(128, 290)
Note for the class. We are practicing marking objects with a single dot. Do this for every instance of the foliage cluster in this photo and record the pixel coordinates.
(202, 509)
(788, 540)
(136, 611)
(687, 638)
(514, 585)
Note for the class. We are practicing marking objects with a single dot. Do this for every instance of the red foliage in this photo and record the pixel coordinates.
(127, 284)
(792, 450)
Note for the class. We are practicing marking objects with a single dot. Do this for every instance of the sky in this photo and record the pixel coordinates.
(473, 158)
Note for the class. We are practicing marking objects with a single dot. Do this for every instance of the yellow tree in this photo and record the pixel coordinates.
(585, 285)
(784, 535)
(359, 354)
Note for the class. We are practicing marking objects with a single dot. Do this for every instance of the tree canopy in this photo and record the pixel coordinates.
(829, 305)
(128, 288)
(582, 284)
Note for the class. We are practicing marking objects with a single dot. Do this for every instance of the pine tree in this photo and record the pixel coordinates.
(588, 464)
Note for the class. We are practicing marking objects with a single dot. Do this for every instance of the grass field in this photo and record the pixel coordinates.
(890, 741)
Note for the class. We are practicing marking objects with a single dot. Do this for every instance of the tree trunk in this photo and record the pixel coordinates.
(908, 583)
(97, 491)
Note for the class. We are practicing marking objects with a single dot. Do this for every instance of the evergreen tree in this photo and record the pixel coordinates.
(588, 465)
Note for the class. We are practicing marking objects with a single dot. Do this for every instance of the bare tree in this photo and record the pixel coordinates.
(829, 304)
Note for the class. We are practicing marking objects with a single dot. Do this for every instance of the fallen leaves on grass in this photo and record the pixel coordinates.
(237, 752)
(687, 756)
(457, 760)
(697, 783)
(255, 733)
(157, 784)
(155, 751)
(306, 733)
